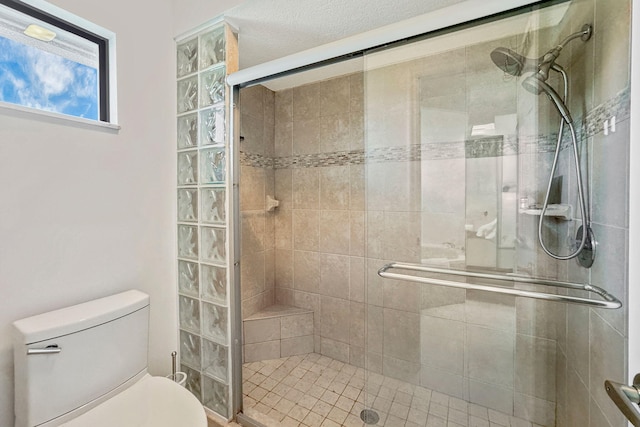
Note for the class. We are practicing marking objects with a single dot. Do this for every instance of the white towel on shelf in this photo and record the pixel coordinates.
(489, 230)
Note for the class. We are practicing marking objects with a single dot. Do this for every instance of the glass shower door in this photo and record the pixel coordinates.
(458, 152)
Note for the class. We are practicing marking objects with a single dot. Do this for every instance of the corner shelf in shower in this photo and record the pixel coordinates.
(560, 211)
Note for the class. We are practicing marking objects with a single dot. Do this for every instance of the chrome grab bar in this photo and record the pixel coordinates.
(50, 349)
(607, 301)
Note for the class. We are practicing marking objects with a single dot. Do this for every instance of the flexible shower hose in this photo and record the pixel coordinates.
(576, 158)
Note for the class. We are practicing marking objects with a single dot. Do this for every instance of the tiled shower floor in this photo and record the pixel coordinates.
(317, 391)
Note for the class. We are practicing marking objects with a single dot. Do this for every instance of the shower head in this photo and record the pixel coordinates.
(536, 85)
(509, 61)
(515, 64)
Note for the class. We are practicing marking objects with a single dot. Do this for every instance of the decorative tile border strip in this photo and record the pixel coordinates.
(257, 160)
(336, 158)
(478, 147)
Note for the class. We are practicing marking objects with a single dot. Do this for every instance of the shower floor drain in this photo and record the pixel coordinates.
(369, 416)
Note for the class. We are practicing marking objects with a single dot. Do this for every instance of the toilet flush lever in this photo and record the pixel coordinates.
(50, 349)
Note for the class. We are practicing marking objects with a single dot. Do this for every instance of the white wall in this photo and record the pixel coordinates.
(86, 213)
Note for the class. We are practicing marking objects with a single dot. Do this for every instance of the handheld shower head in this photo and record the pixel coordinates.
(536, 85)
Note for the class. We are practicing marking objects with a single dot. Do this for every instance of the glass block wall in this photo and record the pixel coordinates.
(204, 59)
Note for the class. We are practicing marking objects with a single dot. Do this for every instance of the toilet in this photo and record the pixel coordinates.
(86, 365)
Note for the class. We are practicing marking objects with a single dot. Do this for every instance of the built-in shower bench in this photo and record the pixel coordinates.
(278, 331)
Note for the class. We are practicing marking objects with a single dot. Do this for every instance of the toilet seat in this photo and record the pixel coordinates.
(150, 402)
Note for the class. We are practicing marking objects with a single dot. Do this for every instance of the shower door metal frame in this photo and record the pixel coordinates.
(633, 349)
(235, 299)
(235, 291)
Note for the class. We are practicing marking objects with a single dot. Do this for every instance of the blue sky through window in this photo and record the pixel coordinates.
(34, 78)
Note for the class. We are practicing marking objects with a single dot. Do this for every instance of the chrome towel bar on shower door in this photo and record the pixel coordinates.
(607, 301)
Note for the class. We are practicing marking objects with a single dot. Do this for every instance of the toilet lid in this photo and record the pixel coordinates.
(151, 402)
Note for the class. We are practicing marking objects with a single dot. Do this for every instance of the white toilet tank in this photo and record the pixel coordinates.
(69, 360)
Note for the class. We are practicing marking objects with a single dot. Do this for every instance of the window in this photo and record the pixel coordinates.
(53, 61)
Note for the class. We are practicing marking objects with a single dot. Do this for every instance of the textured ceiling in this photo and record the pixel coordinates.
(271, 29)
